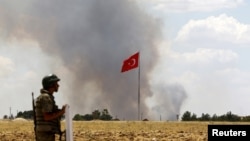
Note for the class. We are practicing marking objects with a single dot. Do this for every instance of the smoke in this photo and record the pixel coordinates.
(169, 99)
(92, 38)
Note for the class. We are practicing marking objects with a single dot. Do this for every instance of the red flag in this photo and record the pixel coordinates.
(130, 63)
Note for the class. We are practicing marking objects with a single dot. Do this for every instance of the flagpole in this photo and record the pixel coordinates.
(131, 63)
(139, 88)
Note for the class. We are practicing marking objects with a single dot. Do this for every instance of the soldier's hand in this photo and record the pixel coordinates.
(64, 107)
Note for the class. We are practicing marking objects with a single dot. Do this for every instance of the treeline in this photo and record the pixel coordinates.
(229, 116)
(105, 115)
(95, 115)
(25, 115)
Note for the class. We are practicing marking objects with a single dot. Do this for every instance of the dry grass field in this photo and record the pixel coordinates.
(19, 130)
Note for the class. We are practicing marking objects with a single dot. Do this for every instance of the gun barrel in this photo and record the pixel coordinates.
(34, 114)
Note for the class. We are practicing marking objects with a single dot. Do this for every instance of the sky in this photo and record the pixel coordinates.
(193, 55)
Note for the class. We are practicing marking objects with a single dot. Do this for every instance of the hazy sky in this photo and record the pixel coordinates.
(194, 55)
(206, 51)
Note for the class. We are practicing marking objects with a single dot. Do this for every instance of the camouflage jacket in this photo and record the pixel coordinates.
(45, 103)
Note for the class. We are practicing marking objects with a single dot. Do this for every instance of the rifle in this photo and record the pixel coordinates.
(61, 134)
(34, 114)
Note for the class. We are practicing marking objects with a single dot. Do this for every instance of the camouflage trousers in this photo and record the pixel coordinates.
(45, 136)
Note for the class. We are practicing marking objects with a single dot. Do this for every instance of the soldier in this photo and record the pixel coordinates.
(48, 115)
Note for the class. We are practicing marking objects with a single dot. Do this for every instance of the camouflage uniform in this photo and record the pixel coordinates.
(46, 130)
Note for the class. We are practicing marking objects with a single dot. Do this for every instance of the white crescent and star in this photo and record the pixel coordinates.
(132, 62)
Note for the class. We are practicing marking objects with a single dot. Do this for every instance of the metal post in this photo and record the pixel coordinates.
(139, 87)
(69, 131)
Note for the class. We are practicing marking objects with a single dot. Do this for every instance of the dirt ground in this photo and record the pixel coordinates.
(22, 130)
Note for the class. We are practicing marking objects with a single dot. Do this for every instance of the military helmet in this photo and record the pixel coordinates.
(48, 80)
